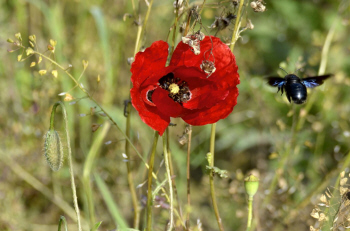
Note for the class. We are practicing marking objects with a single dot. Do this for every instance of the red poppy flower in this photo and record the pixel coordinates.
(199, 85)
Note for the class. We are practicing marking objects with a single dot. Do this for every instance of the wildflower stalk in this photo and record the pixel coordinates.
(235, 33)
(251, 184)
(140, 32)
(134, 199)
(174, 29)
(188, 178)
(211, 177)
(62, 219)
(167, 166)
(149, 188)
(70, 163)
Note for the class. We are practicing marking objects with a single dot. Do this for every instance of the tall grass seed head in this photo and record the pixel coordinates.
(53, 150)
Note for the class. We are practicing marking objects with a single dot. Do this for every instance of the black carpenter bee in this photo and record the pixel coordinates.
(295, 87)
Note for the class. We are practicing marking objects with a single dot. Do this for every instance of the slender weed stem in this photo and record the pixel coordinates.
(250, 212)
(188, 178)
(235, 33)
(140, 32)
(167, 166)
(211, 177)
(70, 162)
(149, 188)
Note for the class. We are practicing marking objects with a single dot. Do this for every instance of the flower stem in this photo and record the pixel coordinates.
(167, 166)
(188, 178)
(149, 188)
(250, 212)
(71, 171)
(174, 29)
(140, 32)
(135, 202)
(235, 33)
(211, 177)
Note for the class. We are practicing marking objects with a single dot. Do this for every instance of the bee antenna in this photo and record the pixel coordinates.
(284, 70)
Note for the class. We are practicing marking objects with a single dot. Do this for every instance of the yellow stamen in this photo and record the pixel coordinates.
(174, 88)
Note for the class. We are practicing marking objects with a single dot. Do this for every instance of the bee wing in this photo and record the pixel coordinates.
(276, 81)
(315, 81)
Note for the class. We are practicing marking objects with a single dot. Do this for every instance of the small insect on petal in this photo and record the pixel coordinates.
(32, 64)
(42, 72)
(85, 64)
(54, 73)
(68, 97)
(19, 57)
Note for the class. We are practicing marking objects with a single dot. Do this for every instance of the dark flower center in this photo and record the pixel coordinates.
(178, 89)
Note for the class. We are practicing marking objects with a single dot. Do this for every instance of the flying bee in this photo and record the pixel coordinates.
(295, 87)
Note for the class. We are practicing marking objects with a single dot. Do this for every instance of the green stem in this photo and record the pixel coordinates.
(134, 199)
(235, 34)
(75, 200)
(142, 32)
(211, 177)
(250, 212)
(174, 30)
(167, 166)
(62, 219)
(188, 178)
(149, 188)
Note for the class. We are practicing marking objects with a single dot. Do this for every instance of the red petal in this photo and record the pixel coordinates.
(165, 104)
(148, 62)
(204, 92)
(222, 53)
(150, 115)
(213, 114)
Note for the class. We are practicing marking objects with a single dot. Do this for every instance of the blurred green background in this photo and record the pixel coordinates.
(256, 137)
